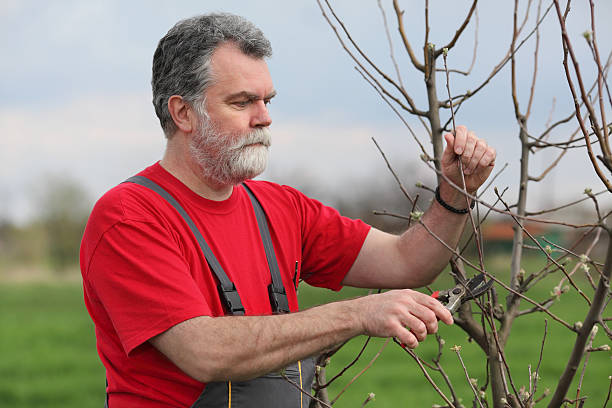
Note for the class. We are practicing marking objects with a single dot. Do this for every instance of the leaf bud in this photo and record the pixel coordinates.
(445, 51)
(588, 191)
(587, 35)
(584, 258)
(416, 215)
(456, 348)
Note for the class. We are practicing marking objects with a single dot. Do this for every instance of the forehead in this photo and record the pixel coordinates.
(235, 72)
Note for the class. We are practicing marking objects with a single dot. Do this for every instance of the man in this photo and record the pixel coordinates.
(164, 332)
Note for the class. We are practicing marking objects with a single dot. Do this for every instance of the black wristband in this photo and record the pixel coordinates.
(449, 207)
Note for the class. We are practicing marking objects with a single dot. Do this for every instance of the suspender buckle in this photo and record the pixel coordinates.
(232, 300)
(278, 299)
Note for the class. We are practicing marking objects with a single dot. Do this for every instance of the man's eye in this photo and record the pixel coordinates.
(241, 104)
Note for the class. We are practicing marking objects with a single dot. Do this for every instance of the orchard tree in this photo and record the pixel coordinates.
(489, 320)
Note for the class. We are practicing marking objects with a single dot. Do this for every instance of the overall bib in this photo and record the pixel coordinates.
(272, 390)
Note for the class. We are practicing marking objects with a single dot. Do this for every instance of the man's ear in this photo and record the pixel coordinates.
(182, 114)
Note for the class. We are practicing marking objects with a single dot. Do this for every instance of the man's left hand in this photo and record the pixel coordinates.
(477, 158)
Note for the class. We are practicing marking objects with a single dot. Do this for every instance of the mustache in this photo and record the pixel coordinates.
(259, 135)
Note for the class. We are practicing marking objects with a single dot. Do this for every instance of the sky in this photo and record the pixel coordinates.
(75, 98)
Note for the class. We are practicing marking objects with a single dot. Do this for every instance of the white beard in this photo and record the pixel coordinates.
(230, 164)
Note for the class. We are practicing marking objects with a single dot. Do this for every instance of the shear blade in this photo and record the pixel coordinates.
(477, 286)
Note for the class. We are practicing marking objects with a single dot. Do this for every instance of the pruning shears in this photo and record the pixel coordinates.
(461, 293)
(464, 291)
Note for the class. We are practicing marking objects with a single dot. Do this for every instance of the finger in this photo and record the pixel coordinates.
(448, 156)
(479, 150)
(427, 317)
(468, 151)
(461, 135)
(406, 337)
(416, 326)
(440, 311)
(488, 158)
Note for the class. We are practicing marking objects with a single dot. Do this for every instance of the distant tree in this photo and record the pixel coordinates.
(62, 210)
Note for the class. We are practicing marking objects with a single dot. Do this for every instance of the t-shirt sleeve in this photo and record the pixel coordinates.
(330, 243)
(138, 273)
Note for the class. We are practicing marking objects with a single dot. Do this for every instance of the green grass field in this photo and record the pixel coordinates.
(48, 356)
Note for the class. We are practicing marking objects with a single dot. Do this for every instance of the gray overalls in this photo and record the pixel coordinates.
(271, 390)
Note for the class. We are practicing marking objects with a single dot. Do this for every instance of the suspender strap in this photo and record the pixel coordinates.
(227, 289)
(276, 289)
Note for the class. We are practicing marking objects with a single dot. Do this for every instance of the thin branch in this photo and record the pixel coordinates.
(537, 372)
(391, 54)
(427, 376)
(400, 25)
(303, 391)
(564, 205)
(462, 98)
(549, 168)
(352, 363)
(414, 136)
(609, 392)
(505, 212)
(457, 350)
(535, 241)
(459, 31)
(498, 281)
(593, 316)
(535, 64)
(568, 50)
(412, 109)
(362, 371)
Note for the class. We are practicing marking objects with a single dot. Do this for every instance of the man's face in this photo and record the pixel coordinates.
(231, 144)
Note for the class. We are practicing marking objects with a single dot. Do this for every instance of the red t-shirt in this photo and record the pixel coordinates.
(143, 271)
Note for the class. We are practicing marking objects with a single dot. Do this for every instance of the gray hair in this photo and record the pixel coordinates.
(181, 63)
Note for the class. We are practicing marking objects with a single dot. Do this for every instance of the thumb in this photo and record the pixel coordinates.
(448, 156)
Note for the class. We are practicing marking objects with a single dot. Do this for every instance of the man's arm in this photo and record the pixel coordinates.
(243, 347)
(415, 258)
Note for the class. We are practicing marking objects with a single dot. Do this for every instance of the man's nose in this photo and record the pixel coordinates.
(261, 116)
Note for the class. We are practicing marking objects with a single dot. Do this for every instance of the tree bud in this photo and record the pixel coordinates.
(416, 215)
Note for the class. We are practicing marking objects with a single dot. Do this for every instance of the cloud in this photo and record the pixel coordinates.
(101, 140)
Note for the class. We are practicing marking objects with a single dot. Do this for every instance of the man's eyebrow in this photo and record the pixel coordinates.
(249, 95)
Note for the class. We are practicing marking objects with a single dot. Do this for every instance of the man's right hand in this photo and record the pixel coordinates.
(405, 314)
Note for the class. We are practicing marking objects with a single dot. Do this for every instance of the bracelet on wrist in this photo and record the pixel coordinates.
(450, 207)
